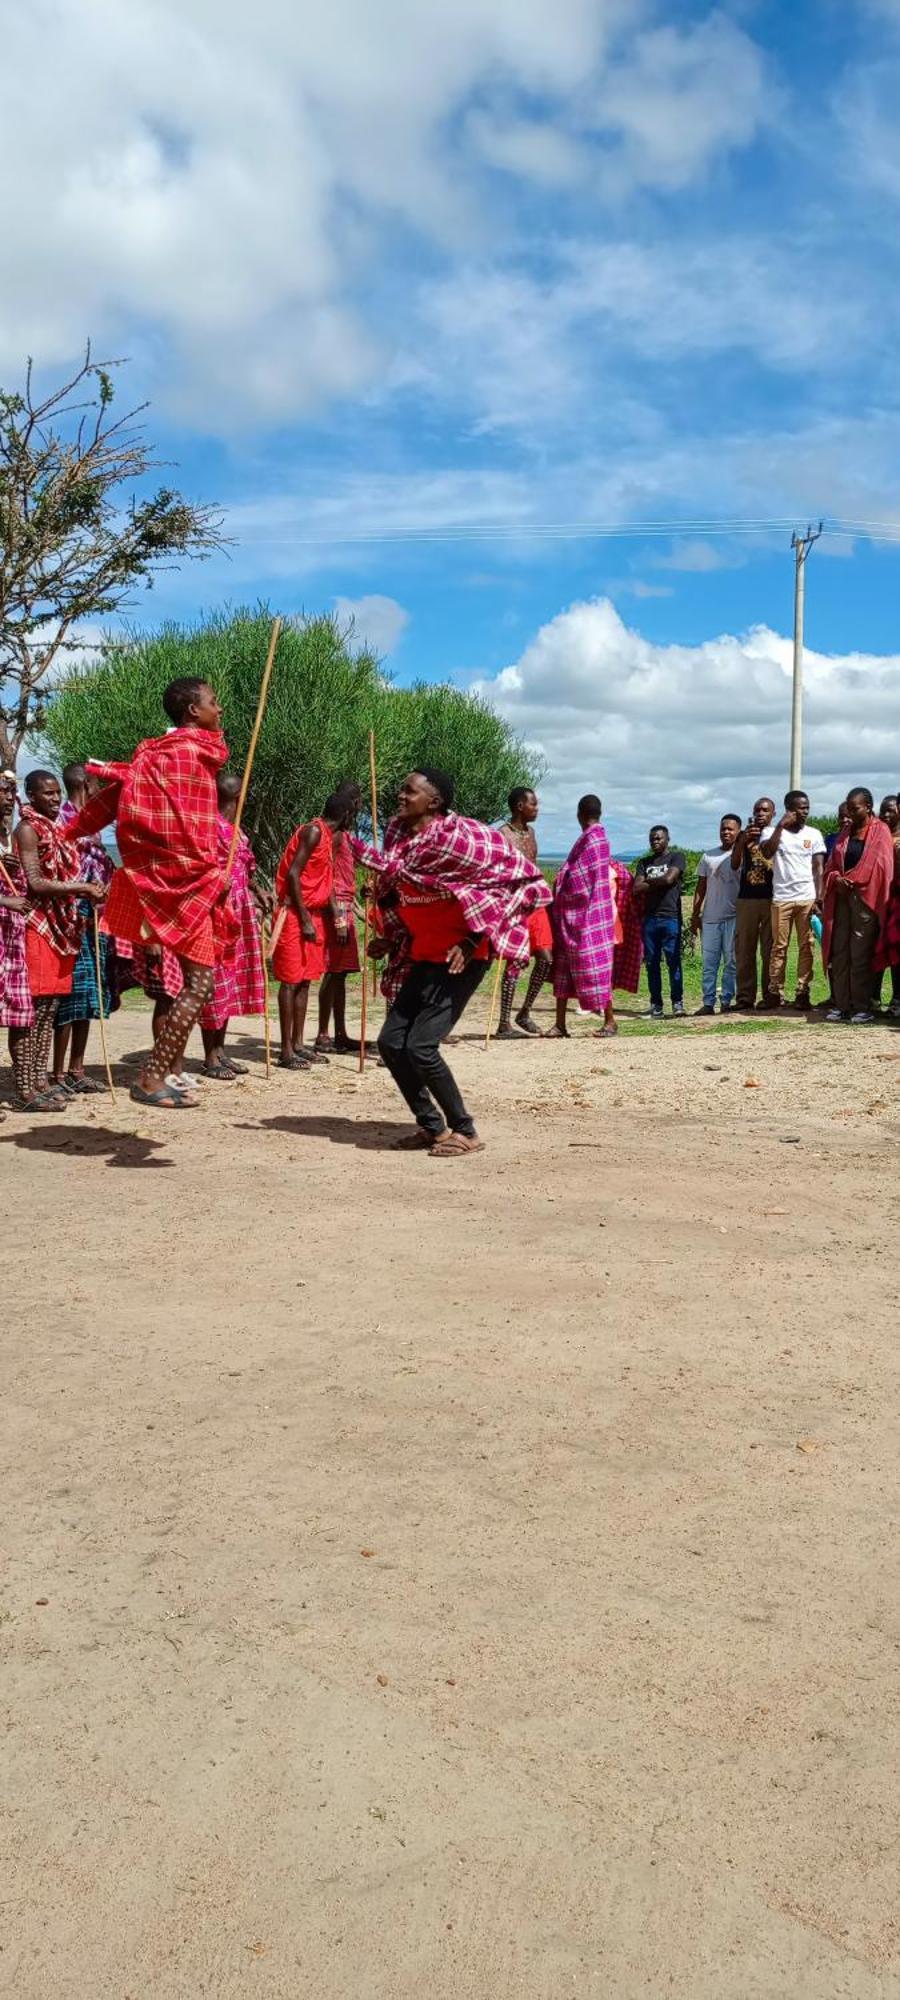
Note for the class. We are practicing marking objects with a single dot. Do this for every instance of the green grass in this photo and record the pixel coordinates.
(631, 1008)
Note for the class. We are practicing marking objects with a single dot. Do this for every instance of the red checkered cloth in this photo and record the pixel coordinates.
(165, 807)
(628, 956)
(238, 986)
(54, 918)
(497, 888)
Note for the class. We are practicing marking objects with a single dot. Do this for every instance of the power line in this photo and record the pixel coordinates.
(516, 531)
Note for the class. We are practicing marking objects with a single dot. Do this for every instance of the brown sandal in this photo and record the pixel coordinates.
(418, 1141)
(454, 1146)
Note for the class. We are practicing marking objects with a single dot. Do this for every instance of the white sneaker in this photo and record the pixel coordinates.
(862, 1020)
(834, 1014)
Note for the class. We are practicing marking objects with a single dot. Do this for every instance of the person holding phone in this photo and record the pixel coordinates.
(753, 914)
(796, 851)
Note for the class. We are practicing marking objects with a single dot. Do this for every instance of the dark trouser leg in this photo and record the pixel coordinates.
(839, 963)
(507, 996)
(540, 973)
(428, 1005)
(672, 949)
(653, 948)
(746, 931)
(863, 939)
(183, 1015)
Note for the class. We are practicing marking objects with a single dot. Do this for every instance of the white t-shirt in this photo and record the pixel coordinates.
(722, 885)
(792, 865)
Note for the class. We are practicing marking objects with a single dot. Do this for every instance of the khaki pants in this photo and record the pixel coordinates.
(752, 933)
(853, 940)
(785, 918)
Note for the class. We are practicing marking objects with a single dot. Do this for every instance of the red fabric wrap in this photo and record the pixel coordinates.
(166, 808)
(873, 877)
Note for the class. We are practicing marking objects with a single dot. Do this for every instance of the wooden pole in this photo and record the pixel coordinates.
(99, 966)
(373, 788)
(267, 1026)
(251, 753)
(8, 880)
(498, 975)
(364, 1004)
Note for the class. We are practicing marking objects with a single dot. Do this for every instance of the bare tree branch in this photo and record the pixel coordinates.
(75, 538)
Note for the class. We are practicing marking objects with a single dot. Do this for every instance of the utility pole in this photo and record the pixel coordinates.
(801, 545)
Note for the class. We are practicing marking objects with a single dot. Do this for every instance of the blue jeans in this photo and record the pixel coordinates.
(718, 947)
(662, 937)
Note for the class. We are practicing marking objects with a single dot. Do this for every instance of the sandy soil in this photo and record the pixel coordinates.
(458, 1581)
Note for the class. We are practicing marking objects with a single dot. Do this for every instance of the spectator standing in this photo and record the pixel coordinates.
(796, 851)
(658, 882)
(715, 903)
(858, 883)
(753, 915)
(887, 955)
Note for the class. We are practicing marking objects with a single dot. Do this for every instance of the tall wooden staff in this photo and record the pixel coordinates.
(498, 975)
(242, 800)
(364, 1008)
(98, 963)
(251, 753)
(267, 1026)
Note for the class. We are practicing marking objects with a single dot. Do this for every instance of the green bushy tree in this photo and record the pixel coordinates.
(325, 696)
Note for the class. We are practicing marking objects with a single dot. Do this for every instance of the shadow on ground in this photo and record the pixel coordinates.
(119, 1149)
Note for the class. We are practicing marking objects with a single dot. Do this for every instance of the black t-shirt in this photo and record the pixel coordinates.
(756, 873)
(854, 852)
(663, 899)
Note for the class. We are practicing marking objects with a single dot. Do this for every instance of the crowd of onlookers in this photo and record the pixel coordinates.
(771, 879)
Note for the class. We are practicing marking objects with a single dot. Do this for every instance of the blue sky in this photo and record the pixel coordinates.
(417, 291)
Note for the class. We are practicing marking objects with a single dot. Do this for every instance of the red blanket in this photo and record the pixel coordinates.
(872, 877)
(165, 807)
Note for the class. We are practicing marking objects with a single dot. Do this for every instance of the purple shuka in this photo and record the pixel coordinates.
(584, 922)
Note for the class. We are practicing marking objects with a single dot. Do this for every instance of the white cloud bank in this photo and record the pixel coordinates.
(215, 184)
(683, 733)
(379, 622)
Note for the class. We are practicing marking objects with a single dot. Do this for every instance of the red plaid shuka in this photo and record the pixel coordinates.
(496, 887)
(55, 918)
(165, 807)
(628, 956)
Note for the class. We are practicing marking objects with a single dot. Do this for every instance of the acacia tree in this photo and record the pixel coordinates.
(74, 542)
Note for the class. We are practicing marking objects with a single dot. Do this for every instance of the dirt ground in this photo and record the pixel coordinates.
(470, 1580)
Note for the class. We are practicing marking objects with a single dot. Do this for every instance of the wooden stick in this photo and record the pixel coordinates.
(8, 880)
(364, 1004)
(373, 788)
(267, 1026)
(498, 975)
(251, 753)
(278, 924)
(99, 965)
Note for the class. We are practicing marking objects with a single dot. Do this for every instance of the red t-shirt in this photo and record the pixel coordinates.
(435, 924)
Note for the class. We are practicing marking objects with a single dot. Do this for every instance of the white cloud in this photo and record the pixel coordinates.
(379, 622)
(214, 184)
(687, 732)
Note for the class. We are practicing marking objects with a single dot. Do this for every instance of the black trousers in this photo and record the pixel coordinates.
(428, 1005)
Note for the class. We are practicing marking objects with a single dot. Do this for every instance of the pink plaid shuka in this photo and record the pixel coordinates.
(496, 887)
(584, 924)
(238, 978)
